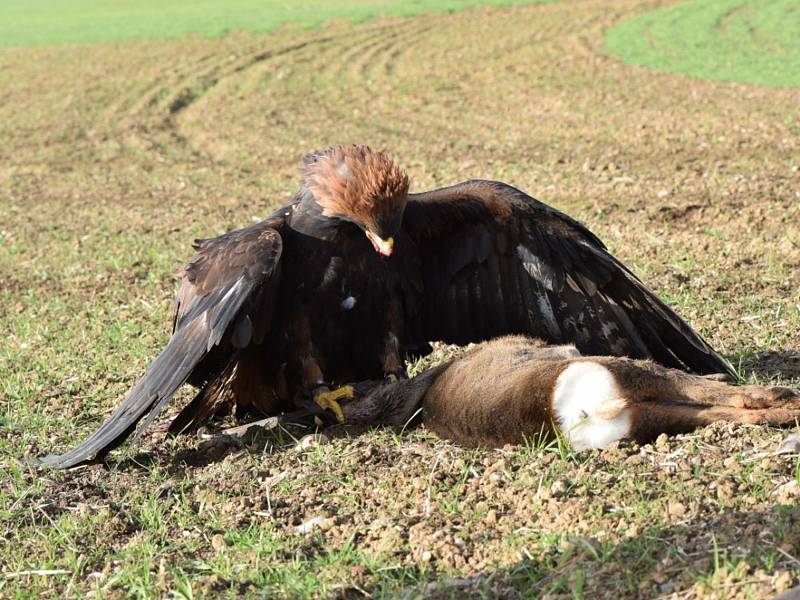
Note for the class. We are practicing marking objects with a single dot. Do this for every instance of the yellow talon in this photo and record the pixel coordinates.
(393, 378)
(329, 401)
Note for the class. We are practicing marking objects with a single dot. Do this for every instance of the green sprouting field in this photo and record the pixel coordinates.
(747, 41)
(25, 22)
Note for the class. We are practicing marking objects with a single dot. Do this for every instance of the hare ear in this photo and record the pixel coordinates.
(589, 406)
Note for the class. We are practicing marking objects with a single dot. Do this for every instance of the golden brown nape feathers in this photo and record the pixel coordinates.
(357, 184)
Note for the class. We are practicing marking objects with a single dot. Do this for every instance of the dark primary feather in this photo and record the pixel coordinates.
(221, 295)
(495, 261)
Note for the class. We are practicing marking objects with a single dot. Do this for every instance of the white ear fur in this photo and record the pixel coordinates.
(589, 407)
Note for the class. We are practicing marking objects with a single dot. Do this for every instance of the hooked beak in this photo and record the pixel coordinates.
(382, 247)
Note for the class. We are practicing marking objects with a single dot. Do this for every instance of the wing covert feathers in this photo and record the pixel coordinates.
(495, 261)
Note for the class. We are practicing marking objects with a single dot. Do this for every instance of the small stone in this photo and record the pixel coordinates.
(558, 488)
(327, 524)
(311, 441)
(426, 556)
(660, 576)
(787, 491)
(309, 525)
(782, 581)
(465, 165)
(791, 445)
(389, 541)
(667, 587)
(676, 509)
(634, 459)
(662, 443)
(218, 542)
(725, 492)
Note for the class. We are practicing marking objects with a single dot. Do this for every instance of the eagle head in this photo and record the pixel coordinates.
(356, 184)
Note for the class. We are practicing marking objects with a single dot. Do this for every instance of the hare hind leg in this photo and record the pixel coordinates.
(645, 381)
(670, 401)
(599, 400)
(654, 418)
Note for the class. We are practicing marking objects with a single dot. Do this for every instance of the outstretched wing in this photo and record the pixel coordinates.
(225, 299)
(494, 261)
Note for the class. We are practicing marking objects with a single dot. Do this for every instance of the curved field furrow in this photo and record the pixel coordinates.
(375, 65)
(158, 87)
(179, 88)
(308, 72)
(317, 61)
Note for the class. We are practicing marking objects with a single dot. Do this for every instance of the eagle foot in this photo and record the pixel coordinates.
(330, 401)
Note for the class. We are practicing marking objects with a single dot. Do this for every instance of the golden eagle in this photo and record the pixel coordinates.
(356, 273)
